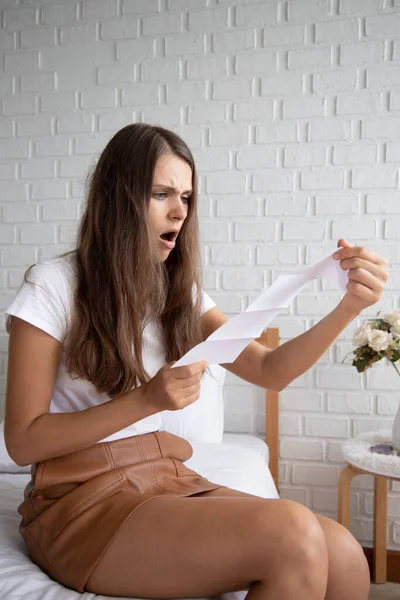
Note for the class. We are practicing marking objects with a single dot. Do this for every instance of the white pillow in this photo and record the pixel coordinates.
(202, 421)
(7, 465)
(235, 466)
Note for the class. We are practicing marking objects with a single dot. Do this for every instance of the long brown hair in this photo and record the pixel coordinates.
(121, 286)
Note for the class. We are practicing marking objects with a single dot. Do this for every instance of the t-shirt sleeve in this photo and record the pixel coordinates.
(206, 303)
(42, 302)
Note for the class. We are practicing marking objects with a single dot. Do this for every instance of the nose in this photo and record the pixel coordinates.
(178, 210)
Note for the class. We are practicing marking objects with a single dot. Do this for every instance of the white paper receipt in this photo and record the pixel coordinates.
(226, 343)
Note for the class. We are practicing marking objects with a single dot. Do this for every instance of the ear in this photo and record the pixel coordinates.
(343, 244)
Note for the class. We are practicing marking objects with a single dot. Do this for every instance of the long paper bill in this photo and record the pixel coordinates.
(226, 343)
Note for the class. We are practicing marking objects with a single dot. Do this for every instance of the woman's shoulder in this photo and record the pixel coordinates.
(45, 296)
(58, 272)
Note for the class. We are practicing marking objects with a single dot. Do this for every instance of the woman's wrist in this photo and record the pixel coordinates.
(139, 403)
(348, 313)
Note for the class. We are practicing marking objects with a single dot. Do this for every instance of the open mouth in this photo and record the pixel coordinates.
(168, 238)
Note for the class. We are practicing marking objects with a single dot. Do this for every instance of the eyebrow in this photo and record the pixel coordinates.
(170, 189)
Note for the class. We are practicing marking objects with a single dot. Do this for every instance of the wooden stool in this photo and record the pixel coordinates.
(380, 515)
(380, 498)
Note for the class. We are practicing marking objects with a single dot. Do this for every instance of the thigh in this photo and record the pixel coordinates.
(200, 545)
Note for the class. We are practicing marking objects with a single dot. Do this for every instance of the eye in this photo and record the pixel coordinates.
(185, 199)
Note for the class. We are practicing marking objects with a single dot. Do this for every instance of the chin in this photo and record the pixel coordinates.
(163, 257)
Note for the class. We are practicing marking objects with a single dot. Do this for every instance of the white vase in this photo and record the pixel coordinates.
(396, 430)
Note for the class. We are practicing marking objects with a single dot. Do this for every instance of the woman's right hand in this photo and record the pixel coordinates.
(173, 389)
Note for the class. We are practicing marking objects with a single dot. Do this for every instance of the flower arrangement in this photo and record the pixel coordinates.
(376, 339)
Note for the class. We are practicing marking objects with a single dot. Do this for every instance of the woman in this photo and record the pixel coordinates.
(111, 508)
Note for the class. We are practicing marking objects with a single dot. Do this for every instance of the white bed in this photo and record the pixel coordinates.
(240, 462)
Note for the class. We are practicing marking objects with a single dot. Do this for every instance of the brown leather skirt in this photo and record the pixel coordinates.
(75, 504)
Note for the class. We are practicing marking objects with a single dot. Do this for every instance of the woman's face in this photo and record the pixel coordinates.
(170, 194)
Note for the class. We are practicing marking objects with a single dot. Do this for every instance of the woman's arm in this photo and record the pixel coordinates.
(31, 433)
(275, 369)
(295, 357)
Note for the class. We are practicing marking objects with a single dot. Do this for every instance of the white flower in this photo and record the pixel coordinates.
(393, 318)
(360, 337)
(379, 340)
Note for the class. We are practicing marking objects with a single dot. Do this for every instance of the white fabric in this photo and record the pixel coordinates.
(7, 465)
(235, 466)
(202, 421)
(250, 442)
(357, 452)
(48, 305)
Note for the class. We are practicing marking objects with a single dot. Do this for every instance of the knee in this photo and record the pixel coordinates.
(304, 534)
(301, 544)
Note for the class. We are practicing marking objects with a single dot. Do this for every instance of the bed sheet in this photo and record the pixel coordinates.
(20, 579)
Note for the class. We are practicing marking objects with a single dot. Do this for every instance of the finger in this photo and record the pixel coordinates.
(360, 252)
(189, 370)
(344, 243)
(362, 292)
(366, 278)
(361, 263)
(189, 381)
(188, 392)
(192, 398)
(203, 364)
(191, 390)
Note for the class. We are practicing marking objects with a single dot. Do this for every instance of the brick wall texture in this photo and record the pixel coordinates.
(292, 110)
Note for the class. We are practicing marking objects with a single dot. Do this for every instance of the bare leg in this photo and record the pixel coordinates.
(348, 574)
(213, 543)
(348, 571)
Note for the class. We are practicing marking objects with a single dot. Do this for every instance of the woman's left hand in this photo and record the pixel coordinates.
(367, 275)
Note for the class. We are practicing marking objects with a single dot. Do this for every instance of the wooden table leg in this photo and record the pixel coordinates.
(380, 519)
(345, 479)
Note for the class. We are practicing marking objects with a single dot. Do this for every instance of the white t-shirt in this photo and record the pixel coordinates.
(48, 306)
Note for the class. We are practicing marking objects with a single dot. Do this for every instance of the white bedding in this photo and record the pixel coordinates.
(240, 462)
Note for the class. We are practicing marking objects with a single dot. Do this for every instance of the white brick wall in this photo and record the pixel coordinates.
(292, 109)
